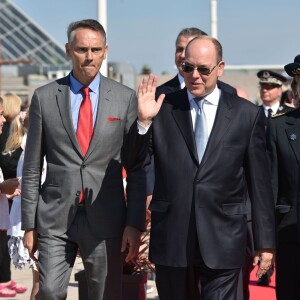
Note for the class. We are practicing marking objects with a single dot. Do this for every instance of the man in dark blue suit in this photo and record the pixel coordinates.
(177, 82)
(198, 207)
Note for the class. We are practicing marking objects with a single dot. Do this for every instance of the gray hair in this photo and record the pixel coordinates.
(87, 23)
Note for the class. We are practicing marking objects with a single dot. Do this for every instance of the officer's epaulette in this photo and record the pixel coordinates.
(278, 115)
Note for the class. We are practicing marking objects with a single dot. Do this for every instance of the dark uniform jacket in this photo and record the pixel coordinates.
(283, 143)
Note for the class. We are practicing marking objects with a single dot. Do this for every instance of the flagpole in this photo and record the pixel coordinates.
(102, 18)
(214, 18)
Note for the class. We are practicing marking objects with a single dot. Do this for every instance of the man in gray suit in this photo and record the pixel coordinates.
(81, 205)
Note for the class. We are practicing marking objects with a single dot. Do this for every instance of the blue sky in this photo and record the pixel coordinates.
(144, 32)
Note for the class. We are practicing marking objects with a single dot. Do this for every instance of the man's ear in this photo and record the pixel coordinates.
(221, 67)
(67, 47)
(105, 51)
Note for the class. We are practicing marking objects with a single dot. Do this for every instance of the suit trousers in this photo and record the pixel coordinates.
(288, 271)
(248, 265)
(102, 262)
(189, 283)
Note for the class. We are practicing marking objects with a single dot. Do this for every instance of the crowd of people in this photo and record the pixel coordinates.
(217, 175)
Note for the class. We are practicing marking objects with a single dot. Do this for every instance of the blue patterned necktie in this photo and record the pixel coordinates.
(201, 134)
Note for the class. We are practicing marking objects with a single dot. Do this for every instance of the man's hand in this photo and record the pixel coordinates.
(132, 240)
(9, 186)
(148, 212)
(147, 106)
(265, 257)
(30, 242)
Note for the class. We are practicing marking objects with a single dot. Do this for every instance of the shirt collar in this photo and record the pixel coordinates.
(274, 108)
(76, 86)
(213, 98)
(181, 81)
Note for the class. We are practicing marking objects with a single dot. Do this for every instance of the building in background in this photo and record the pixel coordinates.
(26, 49)
(30, 57)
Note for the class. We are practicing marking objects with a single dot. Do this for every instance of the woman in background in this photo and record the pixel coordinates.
(18, 253)
(8, 162)
(7, 286)
(10, 151)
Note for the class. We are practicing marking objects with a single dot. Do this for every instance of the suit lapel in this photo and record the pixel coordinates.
(182, 116)
(63, 102)
(220, 127)
(293, 135)
(104, 107)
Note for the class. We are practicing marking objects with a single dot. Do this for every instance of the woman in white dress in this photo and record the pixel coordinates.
(19, 254)
(6, 187)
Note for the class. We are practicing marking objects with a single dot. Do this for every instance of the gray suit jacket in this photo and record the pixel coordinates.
(51, 208)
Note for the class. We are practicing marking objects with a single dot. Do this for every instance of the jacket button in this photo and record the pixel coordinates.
(83, 166)
(78, 193)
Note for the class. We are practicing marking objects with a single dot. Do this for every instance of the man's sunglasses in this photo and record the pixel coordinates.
(187, 68)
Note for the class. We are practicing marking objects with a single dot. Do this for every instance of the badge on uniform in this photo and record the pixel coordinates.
(292, 137)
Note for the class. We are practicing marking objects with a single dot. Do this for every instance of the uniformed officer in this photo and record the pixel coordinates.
(283, 143)
(270, 84)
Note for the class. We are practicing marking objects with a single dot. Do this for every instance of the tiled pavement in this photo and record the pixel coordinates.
(25, 277)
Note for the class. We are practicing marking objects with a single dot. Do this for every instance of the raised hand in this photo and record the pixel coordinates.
(148, 107)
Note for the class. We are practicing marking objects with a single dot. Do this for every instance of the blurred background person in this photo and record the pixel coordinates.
(270, 87)
(283, 142)
(19, 254)
(11, 150)
(7, 286)
(11, 107)
(287, 98)
(241, 92)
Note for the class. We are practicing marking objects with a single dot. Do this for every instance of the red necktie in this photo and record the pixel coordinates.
(85, 121)
(85, 126)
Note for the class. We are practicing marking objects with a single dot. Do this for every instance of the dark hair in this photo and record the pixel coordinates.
(287, 97)
(218, 46)
(190, 31)
(87, 23)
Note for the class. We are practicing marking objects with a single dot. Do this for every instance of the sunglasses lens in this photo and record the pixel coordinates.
(187, 69)
(204, 71)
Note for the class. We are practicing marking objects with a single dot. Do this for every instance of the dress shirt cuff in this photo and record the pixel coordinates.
(143, 130)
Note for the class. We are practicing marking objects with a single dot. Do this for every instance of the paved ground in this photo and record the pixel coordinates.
(25, 277)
